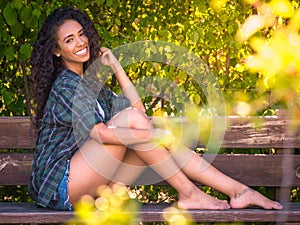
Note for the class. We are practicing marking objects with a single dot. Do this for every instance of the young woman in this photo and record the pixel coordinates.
(88, 136)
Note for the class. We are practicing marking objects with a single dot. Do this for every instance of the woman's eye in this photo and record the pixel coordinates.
(69, 40)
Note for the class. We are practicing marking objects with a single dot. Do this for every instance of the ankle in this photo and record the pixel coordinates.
(188, 192)
(240, 192)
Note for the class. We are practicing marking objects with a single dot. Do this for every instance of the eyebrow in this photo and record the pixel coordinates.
(70, 35)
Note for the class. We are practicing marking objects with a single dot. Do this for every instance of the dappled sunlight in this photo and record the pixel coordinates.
(276, 55)
(175, 216)
(242, 109)
(251, 26)
(113, 206)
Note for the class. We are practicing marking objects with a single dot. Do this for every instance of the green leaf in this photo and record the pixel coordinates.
(10, 53)
(195, 97)
(2, 3)
(17, 4)
(7, 97)
(10, 15)
(106, 34)
(26, 13)
(36, 12)
(17, 30)
(99, 2)
(118, 22)
(200, 5)
(109, 3)
(25, 51)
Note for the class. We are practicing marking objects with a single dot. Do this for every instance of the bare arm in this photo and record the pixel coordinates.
(131, 136)
(108, 59)
(120, 135)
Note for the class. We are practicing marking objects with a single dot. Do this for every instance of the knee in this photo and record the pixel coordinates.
(137, 119)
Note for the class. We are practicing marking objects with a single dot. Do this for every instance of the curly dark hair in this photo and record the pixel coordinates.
(45, 65)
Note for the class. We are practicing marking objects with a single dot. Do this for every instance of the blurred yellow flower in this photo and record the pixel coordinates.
(175, 216)
(276, 55)
(113, 206)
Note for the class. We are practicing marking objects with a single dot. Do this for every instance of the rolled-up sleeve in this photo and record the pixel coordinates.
(85, 113)
(76, 108)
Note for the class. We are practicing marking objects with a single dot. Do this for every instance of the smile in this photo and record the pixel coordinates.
(81, 52)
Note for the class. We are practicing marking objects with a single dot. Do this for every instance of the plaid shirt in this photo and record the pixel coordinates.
(70, 113)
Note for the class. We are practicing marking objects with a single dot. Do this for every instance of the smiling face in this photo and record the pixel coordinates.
(73, 46)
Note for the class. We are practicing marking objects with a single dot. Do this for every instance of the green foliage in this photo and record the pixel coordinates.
(153, 194)
(14, 194)
(193, 25)
(273, 34)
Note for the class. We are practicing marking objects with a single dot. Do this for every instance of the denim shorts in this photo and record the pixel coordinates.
(60, 200)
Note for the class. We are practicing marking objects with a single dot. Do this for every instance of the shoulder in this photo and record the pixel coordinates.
(67, 79)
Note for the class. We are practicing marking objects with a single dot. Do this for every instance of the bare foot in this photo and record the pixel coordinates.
(200, 200)
(249, 197)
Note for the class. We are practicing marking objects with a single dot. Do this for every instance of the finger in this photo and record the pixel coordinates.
(104, 49)
(105, 55)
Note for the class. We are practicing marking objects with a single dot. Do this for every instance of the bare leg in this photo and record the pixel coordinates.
(84, 179)
(189, 195)
(161, 161)
(92, 162)
(241, 196)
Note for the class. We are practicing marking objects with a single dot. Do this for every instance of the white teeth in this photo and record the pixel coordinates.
(83, 51)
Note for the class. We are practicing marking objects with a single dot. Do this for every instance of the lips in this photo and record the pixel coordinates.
(82, 52)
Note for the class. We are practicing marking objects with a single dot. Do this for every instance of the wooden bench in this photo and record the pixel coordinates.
(281, 171)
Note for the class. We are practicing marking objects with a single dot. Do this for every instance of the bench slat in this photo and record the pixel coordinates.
(262, 132)
(289, 214)
(27, 213)
(15, 168)
(17, 132)
(267, 132)
(253, 170)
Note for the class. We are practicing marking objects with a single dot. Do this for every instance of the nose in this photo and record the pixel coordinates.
(80, 41)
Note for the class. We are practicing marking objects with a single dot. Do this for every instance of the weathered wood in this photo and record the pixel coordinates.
(15, 168)
(289, 214)
(27, 213)
(17, 132)
(252, 132)
(253, 170)
(262, 132)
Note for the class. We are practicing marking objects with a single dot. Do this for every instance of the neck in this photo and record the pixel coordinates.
(76, 68)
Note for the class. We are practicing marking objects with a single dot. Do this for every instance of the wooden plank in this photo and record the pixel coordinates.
(253, 170)
(15, 168)
(242, 132)
(27, 213)
(262, 132)
(259, 170)
(17, 132)
(291, 213)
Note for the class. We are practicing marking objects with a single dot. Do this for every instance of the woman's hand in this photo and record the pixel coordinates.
(107, 58)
